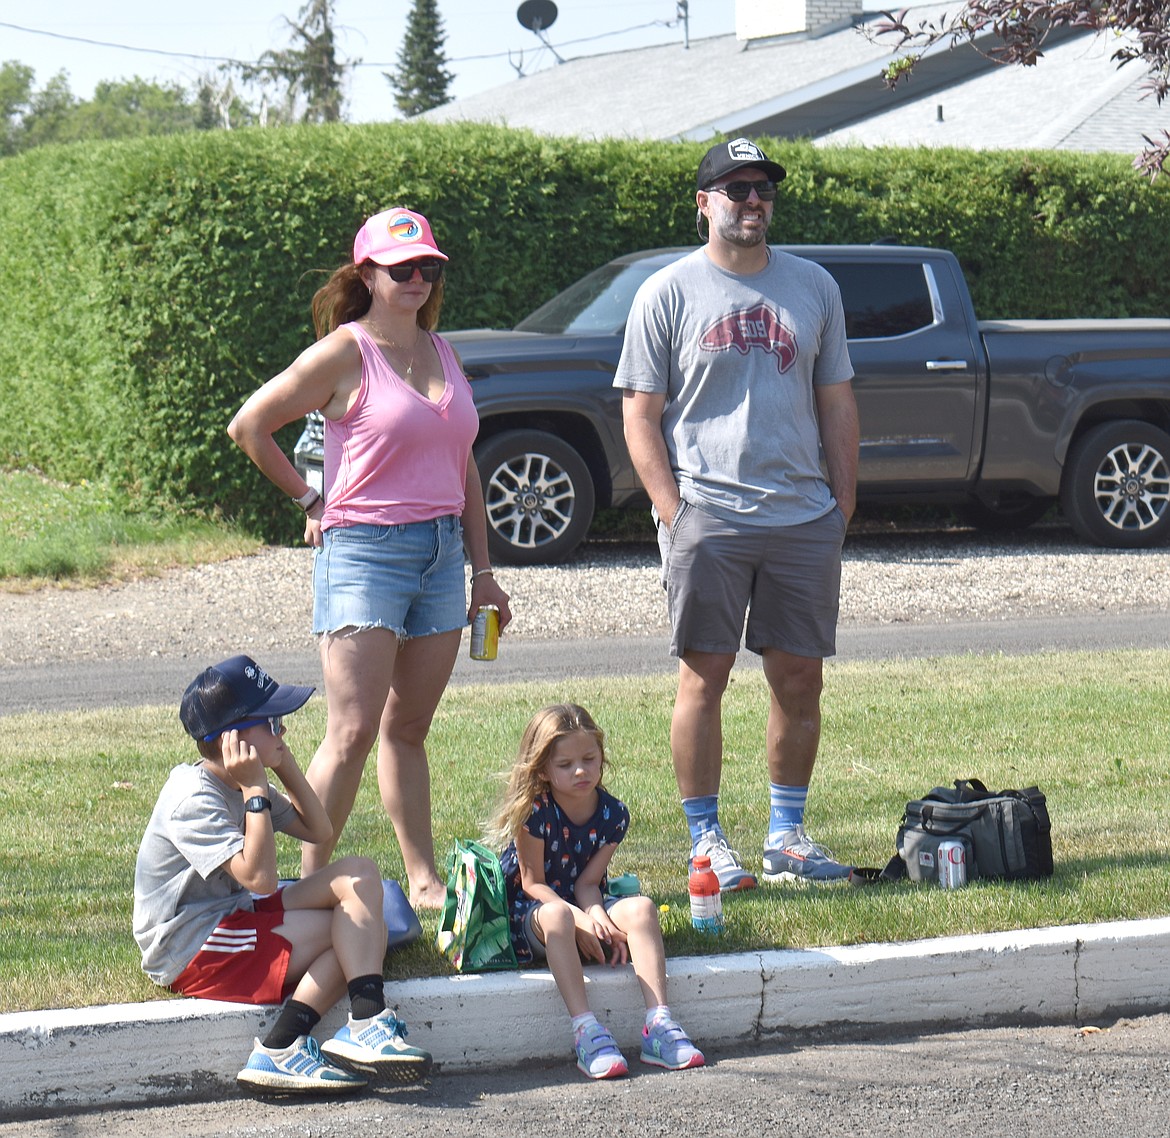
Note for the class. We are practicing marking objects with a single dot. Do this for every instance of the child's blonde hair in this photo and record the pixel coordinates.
(528, 779)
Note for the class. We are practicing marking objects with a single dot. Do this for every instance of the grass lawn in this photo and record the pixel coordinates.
(87, 533)
(1090, 729)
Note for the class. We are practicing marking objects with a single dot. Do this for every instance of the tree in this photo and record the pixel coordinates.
(126, 108)
(1022, 27)
(221, 105)
(305, 80)
(16, 81)
(48, 113)
(310, 68)
(130, 108)
(421, 80)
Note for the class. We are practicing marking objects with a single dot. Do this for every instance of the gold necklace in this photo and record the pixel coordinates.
(399, 347)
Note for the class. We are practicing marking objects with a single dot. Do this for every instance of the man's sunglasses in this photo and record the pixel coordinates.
(741, 191)
(275, 722)
(430, 269)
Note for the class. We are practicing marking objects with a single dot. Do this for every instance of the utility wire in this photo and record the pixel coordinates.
(358, 63)
(126, 46)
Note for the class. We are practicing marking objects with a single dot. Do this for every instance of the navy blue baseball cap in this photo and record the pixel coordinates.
(235, 690)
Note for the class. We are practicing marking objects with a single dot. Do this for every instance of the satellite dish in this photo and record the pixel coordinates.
(536, 15)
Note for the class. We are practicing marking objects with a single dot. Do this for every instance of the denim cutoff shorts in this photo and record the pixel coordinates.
(408, 578)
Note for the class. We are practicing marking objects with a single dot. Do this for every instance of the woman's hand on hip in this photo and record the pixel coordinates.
(313, 523)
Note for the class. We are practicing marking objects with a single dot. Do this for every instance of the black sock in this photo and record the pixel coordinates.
(294, 1019)
(367, 996)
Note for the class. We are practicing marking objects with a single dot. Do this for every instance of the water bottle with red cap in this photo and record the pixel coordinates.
(706, 900)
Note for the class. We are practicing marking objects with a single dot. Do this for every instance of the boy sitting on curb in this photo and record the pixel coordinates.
(210, 846)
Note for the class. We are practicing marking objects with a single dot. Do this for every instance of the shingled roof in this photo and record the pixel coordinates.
(1075, 98)
(827, 86)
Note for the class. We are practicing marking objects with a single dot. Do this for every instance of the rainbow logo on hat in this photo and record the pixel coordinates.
(404, 228)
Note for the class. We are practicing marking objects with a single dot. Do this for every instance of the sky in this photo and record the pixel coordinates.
(179, 40)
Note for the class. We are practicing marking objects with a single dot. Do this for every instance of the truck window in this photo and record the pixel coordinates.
(597, 304)
(883, 300)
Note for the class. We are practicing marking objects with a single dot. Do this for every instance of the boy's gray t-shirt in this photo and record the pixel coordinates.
(181, 891)
(738, 358)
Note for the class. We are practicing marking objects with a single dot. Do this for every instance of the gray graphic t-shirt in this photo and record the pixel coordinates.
(181, 891)
(738, 358)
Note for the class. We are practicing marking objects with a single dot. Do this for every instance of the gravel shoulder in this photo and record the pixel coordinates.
(263, 602)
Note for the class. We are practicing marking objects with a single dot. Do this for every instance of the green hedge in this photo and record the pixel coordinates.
(149, 286)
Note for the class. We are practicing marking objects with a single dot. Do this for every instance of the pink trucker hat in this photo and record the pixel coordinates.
(395, 235)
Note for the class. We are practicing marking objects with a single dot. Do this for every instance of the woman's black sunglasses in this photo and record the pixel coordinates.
(430, 269)
(741, 191)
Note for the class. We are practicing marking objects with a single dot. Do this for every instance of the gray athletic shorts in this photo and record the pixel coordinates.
(787, 579)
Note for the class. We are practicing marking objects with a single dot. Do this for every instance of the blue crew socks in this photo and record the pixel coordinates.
(702, 814)
(787, 809)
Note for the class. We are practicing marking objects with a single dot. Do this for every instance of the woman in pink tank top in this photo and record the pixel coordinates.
(402, 503)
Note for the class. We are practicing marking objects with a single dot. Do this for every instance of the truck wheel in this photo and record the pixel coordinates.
(1006, 512)
(1116, 485)
(539, 497)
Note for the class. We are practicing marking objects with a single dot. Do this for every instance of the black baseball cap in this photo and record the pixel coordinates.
(726, 157)
(232, 691)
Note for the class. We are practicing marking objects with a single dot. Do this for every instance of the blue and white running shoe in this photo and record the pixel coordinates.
(296, 1069)
(377, 1046)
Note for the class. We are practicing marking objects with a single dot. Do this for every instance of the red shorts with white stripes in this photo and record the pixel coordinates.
(244, 960)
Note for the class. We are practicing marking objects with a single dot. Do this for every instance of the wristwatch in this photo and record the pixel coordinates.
(308, 499)
(257, 804)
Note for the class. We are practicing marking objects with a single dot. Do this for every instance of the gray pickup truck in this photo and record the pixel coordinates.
(1002, 418)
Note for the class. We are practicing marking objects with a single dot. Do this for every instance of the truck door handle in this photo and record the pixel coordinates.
(946, 365)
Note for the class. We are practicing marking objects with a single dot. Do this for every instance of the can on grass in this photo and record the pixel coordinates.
(952, 865)
(485, 633)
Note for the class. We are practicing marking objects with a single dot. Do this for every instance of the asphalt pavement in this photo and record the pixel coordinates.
(64, 685)
(1062, 1080)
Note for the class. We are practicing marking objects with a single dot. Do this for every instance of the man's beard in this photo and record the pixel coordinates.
(729, 229)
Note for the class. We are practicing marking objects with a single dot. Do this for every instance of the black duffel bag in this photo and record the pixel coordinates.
(1006, 834)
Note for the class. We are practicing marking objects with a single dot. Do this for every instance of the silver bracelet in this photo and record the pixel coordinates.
(482, 572)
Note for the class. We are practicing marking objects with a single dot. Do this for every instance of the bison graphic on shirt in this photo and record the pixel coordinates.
(757, 327)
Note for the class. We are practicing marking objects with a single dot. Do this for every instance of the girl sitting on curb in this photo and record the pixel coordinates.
(561, 828)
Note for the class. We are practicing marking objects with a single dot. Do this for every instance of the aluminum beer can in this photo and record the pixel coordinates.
(485, 633)
(952, 865)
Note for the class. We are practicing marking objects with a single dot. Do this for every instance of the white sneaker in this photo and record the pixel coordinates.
(724, 861)
(296, 1069)
(377, 1046)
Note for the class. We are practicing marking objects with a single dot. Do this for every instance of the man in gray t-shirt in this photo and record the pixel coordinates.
(736, 372)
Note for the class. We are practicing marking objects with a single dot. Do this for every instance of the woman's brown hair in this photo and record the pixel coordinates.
(345, 297)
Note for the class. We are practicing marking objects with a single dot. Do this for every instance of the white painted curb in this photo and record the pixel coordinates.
(182, 1050)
